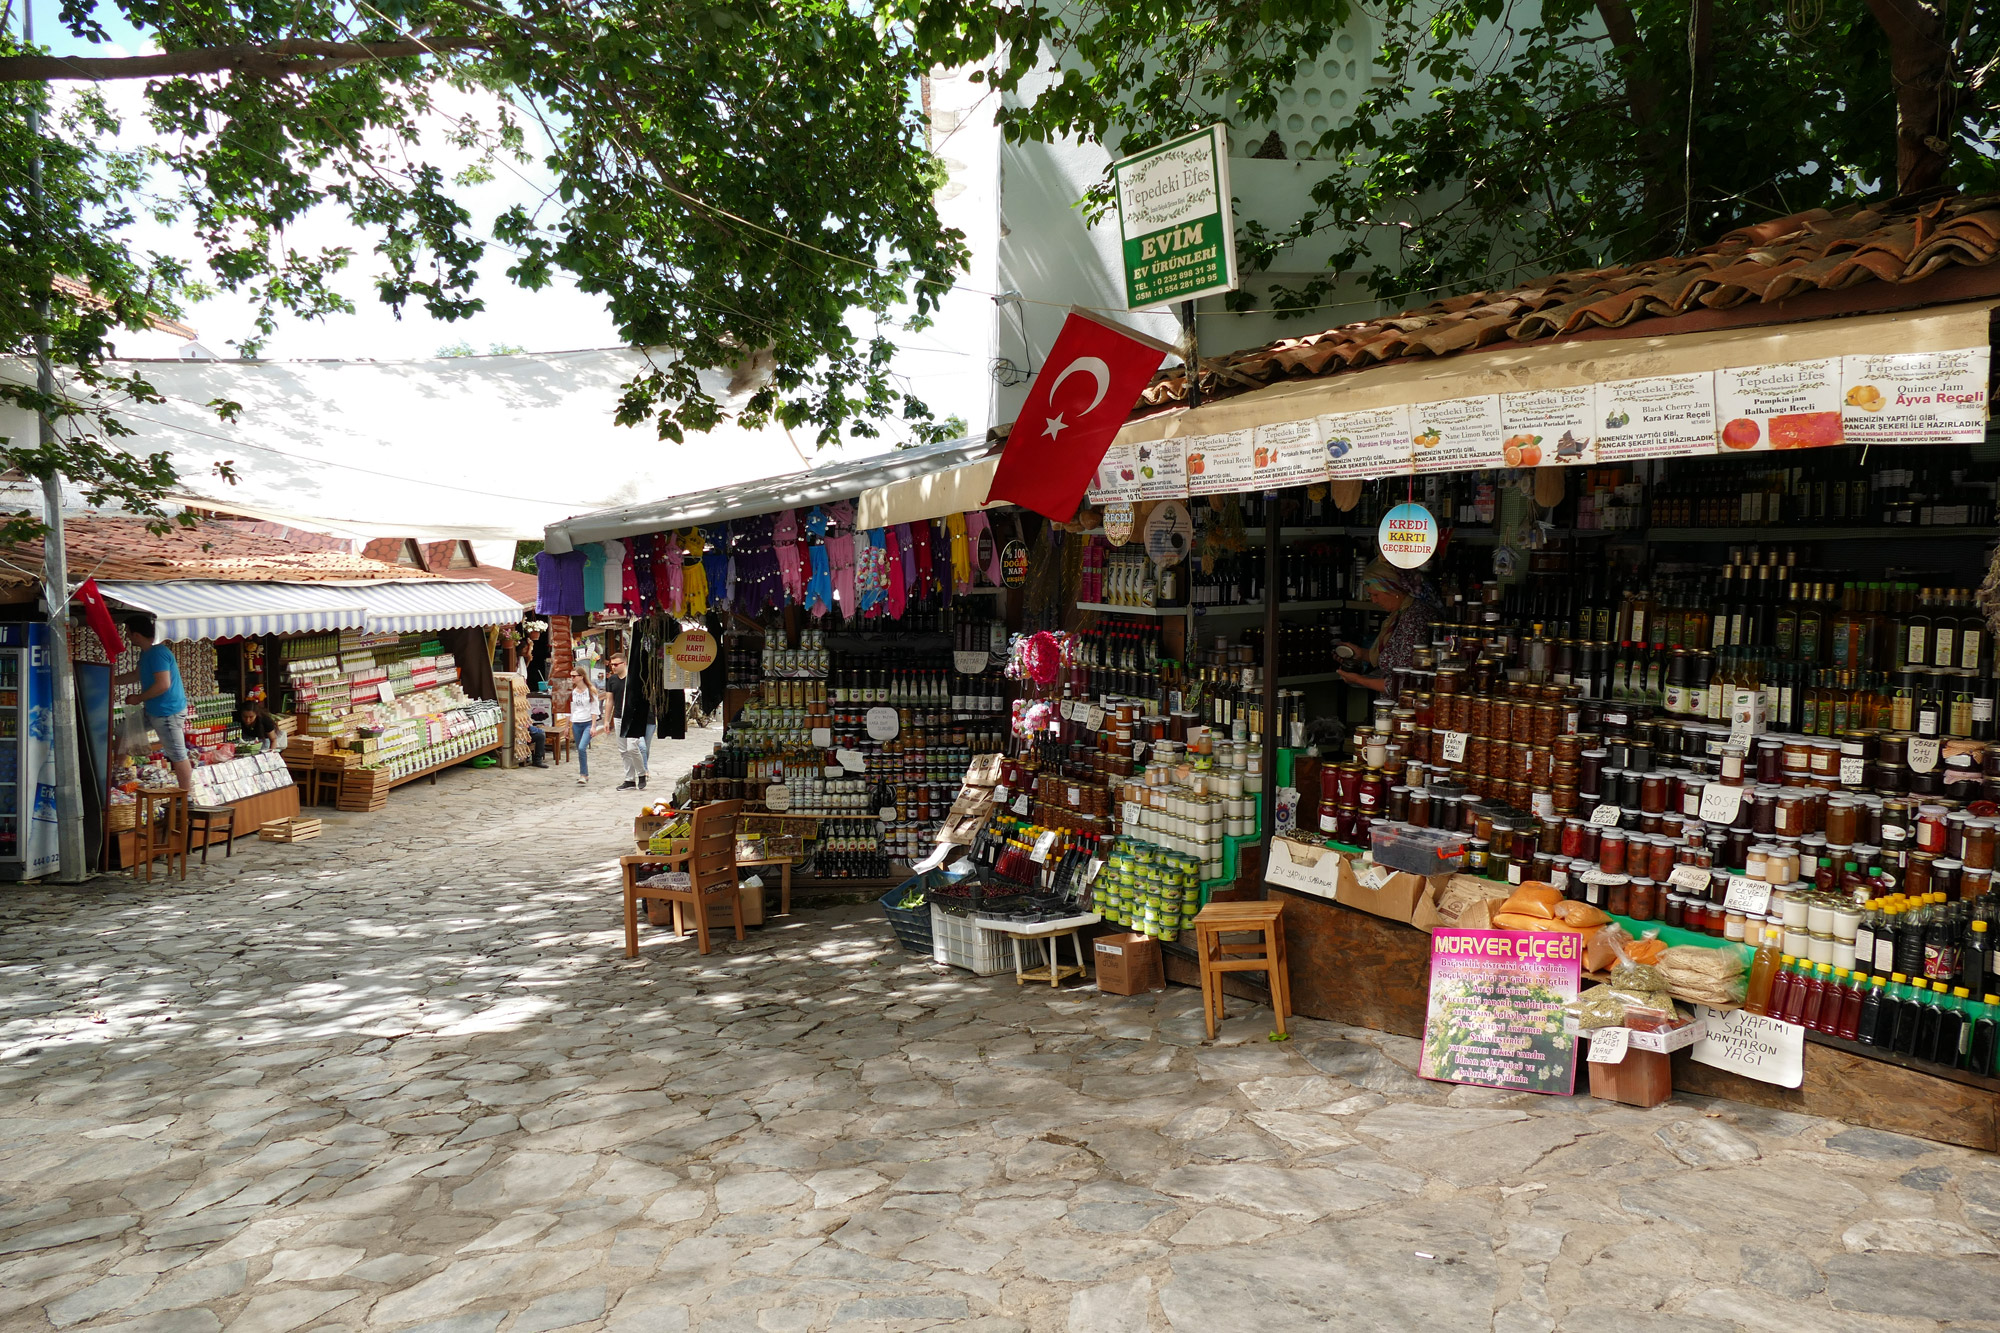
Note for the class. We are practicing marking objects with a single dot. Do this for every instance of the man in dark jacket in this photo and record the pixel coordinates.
(634, 727)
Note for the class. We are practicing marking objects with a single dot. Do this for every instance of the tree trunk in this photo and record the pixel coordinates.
(1660, 194)
(1926, 90)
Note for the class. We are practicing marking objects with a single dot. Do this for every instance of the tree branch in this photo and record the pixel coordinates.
(264, 60)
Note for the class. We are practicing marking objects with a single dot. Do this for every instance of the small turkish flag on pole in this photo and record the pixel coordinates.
(1084, 392)
(91, 597)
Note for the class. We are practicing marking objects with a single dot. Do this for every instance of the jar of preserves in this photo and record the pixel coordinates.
(1590, 771)
(1642, 899)
(1763, 810)
(1843, 822)
(1617, 894)
(1653, 793)
(1611, 848)
(1397, 805)
(1370, 792)
(1732, 765)
(1691, 790)
(1931, 829)
(1979, 841)
(1659, 858)
(1770, 759)
(1791, 814)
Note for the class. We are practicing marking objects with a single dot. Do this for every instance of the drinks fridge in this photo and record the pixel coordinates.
(28, 848)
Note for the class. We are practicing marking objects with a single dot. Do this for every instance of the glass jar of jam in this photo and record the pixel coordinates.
(1954, 832)
(1979, 841)
(1653, 793)
(1370, 792)
(1791, 814)
(1763, 810)
(1660, 858)
(1397, 806)
(1617, 894)
(1611, 847)
(1931, 829)
(1770, 759)
(1691, 790)
(1945, 873)
(1643, 900)
(1843, 821)
(1733, 757)
(1590, 771)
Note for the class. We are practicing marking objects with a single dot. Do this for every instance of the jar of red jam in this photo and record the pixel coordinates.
(1617, 894)
(1611, 847)
(1642, 900)
(1660, 858)
(1931, 829)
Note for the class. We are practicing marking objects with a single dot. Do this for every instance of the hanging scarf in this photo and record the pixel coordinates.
(976, 526)
(791, 568)
(696, 586)
(871, 577)
(819, 589)
(645, 570)
(715, 561)
(840, 552)
(895, 556)
(961, 559)
(758, 582)
(673, 580)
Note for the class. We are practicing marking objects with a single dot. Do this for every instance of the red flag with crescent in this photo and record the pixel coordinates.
(1082, 395)
(91, 598)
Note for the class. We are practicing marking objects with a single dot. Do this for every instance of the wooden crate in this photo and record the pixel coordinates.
(306, 747)
(362, 789)
(288, 830)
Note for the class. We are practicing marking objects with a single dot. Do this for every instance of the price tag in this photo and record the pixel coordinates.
(969, 663)
(822, 736)
(1747, 895)
(1608, 1045)
(1454, 747)
(1852, 769)
(1021, 804)
(1606, 816)
(851, 761)
(1095, 721)
(934, 860)
(887, 814)
(1719, 803)
(1617, 719)
(883, 724)
(1923, 753)
(1544, 804)
(1066, 710)
(777, 797)
(1692, 878)
(1000, 793)
(1043, 846)
(833, 771)
(1075, 795)
(1090, 871)
(1129, 813)
(388, 692)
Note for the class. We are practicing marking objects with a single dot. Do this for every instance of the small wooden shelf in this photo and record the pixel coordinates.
(1143, 612)
(1257, 608)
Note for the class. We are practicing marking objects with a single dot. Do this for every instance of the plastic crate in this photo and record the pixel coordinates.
(955, 940)
(911, 924)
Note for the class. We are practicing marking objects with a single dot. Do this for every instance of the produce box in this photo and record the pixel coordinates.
(1128, 964)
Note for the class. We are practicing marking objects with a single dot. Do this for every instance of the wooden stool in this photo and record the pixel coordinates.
(784, 864)
(154, 841)
(1216, 957)
(209, 818)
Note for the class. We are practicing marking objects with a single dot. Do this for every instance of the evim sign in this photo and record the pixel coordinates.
(1173, 214)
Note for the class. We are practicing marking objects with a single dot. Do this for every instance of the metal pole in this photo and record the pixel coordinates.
(55, 562)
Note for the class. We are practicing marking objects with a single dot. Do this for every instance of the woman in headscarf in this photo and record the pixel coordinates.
(1409, 605)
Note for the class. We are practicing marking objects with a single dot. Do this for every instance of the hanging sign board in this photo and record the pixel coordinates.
(1174, 220)
(1795, 405)
(1496, 1009)
(1118, 522)
(1221, 464)
(1549, 427)
(1117, 476)
(1916, 397)
(1288, 454)
(1456, 434)
(1013, 564)
(1361, 446)
(1408, 536)
(1670, 416)
(1169, 534)
(693, 650)
(1162, 470)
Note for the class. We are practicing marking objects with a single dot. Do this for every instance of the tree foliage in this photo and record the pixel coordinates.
(1500, 140)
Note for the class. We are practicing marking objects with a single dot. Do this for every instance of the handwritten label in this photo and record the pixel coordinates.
(883, 724)
(1852, 768)
(1719, 803)
(1923, 753)
(969, 663)
(1095, 718)
(1766, 1049)
(852, 761)
(822, 736)
(1454, 747)
(1606, 816)
(887, 814)
(1129, 812)
(777, 797)
(1043, 846)
(1747, 895)
(1692, 878)
(1608, 1045)
(1021, 804)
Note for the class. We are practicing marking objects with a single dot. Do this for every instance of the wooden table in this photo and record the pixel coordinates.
(1048, 934)
(784, 879)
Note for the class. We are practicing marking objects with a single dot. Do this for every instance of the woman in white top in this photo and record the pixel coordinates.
(584, 710)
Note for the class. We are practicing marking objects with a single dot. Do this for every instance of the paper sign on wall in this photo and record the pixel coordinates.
(1669, 416)
(1221, 464)
(1117, 476)
(1364, 445)
(1496, 1009)
(1287, 454)
(1752, 1045)
(1916, 398)
(1549, 427)
(1456, 434)
(1793, 405)
(1162, 471)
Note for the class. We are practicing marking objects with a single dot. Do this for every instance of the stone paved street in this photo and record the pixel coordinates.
(403, 1078)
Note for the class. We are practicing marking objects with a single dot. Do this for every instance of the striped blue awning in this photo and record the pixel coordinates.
(197, 609)
(402, 608)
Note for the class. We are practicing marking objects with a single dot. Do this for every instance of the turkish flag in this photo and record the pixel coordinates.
(98, 615)
(1084, 392)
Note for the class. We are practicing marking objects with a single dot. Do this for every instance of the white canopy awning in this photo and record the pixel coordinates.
(404, 608)
(197, 609)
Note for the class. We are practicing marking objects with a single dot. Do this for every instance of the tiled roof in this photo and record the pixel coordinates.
(1762, 264)
(116, 548)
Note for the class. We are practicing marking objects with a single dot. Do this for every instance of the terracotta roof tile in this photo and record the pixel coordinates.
(1764, 263)
(115, 548)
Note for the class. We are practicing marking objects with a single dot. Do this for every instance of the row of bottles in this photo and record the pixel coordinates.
(850, 849)
(1930, 938)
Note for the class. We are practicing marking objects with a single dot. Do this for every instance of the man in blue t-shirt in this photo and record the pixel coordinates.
(159, 681)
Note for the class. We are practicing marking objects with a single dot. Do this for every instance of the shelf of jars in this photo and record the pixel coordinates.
(1896, 532)
(1150, 612)
(1257, 608)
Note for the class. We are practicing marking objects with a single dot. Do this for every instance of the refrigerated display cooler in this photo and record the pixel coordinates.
(28, 843)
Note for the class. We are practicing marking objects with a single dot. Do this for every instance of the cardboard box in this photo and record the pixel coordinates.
(1128, 964)
(1383, 892)
(1642, 1078)
(1463, 902)
(1306, 865)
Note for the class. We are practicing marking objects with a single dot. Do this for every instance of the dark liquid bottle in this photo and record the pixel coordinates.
(1871, 1014)
(1904, 1041)
(1930, 1017)
(1983, 1048)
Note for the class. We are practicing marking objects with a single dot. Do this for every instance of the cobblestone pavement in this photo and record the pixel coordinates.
(403, 1078)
